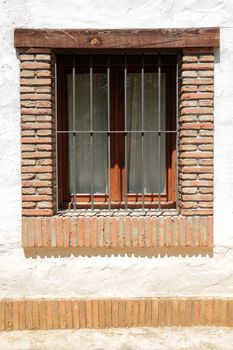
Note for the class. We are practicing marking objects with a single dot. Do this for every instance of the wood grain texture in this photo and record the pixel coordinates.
(117, 39)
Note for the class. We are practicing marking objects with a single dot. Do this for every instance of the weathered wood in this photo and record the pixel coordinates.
(117, 39)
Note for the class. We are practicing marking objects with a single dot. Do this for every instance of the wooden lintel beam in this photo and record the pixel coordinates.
(117, 38)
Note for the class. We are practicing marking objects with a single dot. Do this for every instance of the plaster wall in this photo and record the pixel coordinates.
(114, 276)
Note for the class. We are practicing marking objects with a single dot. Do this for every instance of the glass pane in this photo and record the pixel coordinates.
(154, 162)
(134, 97)
(100, 98)
(82, 159)
(83, 141)
(134, 163)
(83, 163)
(100, 163)
(152, 159)
(134, 114)
(82, 101)
(151, 116)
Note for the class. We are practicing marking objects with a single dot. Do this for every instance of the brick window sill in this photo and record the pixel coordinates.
(117, 232)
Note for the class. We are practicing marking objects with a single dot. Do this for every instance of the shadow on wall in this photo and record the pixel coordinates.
(125, 252)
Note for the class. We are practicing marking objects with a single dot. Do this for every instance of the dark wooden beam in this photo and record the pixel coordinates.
(117, 39)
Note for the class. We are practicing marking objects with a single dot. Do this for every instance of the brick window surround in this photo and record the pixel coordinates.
(192, 224)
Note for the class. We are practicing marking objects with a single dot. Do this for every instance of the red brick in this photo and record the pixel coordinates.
(189, 88)
(34, 126)
(66, 232)
(37, 169)
(35, 97)
(36, 198)
(37, 212)
(196, 140)
(37, 104)
(114, 231)
(206, 74)
(196, 155)
(27, 74)
(198, 211)
(134, 232)
(35, 82)
(27, 57)
(35, 65)
(127, 225)
(190, 58)
(43, 73)
(36, 111)
(189, 74)
(43, 57)
(199, 81)
(196, 96)
(197, 66)
(200, 110)
(197, 126)
(198, 197)
(28, 205)
(81, 232)
(36, 140)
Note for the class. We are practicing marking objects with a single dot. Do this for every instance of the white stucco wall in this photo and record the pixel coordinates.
(114, 276)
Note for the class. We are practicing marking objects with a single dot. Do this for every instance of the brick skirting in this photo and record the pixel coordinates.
(106, 313)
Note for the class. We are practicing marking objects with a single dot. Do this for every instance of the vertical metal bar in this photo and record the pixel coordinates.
(74, 135)
(91, 132)
(159, 128)
(57, 184)
(126, 133)
(142, 134)
(109, 140)
(177, 126)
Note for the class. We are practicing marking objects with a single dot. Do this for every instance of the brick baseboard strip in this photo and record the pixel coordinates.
(117, 232)
(105, 313)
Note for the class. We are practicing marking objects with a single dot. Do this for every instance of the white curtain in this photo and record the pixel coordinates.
(83, 141)
(153, 163)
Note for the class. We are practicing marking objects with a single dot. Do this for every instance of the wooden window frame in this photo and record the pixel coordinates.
(117, 176)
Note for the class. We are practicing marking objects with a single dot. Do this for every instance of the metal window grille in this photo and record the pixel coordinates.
(110, 132)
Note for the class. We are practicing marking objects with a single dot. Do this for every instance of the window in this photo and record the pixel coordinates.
(108, 173)
(117, 131)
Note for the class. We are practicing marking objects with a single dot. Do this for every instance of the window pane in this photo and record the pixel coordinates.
(100, 163)
(82, 160)
(134, 163)
(83, 141)
(153, 162)
(134, 115)
(151, 116)
(82, 102)
(100, 107)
